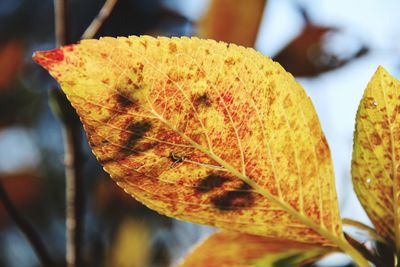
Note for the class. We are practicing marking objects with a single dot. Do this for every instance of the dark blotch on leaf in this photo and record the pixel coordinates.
(124, 101)
(202, 100)
(106, 160)
(210, 182)
(137, 131)
(242, 198)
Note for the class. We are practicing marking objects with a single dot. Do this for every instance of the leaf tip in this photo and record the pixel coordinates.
(47, 59)
(381, 71)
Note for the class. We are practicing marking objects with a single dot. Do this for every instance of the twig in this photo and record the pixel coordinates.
(73, 151)
(96, 24)
(62, 31)
(74, 192)
(26, 228)
(73, 174)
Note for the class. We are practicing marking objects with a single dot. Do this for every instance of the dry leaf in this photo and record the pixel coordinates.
(234, 21)
(376, 154)
(300, 57)
(306, 55)
(230, 249)
(207, 132)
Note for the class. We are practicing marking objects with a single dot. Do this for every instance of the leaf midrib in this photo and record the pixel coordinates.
(301, 217)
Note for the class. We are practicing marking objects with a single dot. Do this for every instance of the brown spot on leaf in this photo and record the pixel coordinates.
(370, 103)
(287, 102)
(172, 47)
(210, 182)
(242, 198)
(144, 43)
(230, 61)
(376, 139)
(202, 100)
(323, 149)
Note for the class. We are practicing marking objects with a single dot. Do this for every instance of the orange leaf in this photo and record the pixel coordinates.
(232, 21)
(206, 132)
(232, 249)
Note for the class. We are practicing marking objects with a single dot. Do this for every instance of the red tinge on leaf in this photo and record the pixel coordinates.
(48, 58)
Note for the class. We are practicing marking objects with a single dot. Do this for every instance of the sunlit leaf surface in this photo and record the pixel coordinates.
(225, 249)
(207, 132)
(376, 154)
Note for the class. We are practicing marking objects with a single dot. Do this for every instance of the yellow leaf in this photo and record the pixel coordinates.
(131, 247)
(208, 132)
(230, 249)
(233, 21)
(376, 154)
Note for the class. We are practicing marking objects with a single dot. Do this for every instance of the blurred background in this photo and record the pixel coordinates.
(332, 47)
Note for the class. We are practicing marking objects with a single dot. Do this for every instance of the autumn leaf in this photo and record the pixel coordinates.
(376, 152)
(232, 21)
(232, 249)
(208, 132)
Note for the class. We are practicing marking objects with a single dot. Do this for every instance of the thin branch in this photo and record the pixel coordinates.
(74, 192)
(73, 150)
(74, 157)
(96, 24)
(26, 228)
(62, 31)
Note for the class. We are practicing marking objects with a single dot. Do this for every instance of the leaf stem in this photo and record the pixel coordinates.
(99, 20)
(26, 228)
(340, 241)
(371, 231)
